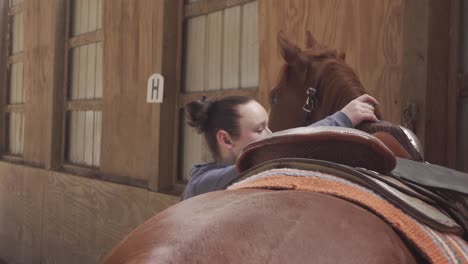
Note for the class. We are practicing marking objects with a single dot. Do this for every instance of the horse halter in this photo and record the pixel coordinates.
(309, 105)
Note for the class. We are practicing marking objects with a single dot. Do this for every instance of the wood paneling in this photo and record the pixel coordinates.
(50, 217)
(414, 82)
(453, 82)
(249, 46)
(3, 69)
(84, 219)
(437, 82)
(213, 51)
(21, 203)
(44, 46)
(231, 48)
(372, 42)
(195, 55)
(130, 126)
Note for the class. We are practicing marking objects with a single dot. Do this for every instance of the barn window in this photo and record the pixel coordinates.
(84, 84)
(220, 58)
(14, 93)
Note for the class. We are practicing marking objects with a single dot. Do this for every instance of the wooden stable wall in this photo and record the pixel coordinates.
(49, 214)
(52, 217)
(399, 49)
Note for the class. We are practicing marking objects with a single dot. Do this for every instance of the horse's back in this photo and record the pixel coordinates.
(260, 226)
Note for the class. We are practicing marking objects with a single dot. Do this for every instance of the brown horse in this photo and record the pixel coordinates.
(262, 226)
(318, 67)
(334, 85)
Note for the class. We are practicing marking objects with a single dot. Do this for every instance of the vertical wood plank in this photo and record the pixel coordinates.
(76, 18)
(16, 136)
(84, 16)
(99, 13)
(231, 48)
(437, 82)
(454, 57)
(214, 51)
(44, 47)
(249, 48)
(11, 133)
(13, 81)
(21, 134)
(20, 86)
(97, 138)
(195, 55)
(3, 72)
(14, 34)
(72, 136)
(20, 32)
(92, 17)
(91, 72)
(98, 84)
(89, 138)
(80, 135)
(21, 200)
(81, 93)
(75, 76)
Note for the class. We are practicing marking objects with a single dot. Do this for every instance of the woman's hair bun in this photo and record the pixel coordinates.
(197, 113)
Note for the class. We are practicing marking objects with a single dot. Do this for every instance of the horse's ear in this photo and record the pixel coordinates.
(310, 40)
(290, 52)
(342, 55)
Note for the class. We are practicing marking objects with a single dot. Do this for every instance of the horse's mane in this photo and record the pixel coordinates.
(337, 84)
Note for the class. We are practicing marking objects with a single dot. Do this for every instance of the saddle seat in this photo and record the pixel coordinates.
(341, 145)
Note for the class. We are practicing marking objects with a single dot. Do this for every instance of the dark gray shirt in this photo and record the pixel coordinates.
(208, 177)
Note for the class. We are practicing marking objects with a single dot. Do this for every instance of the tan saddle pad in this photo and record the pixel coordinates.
(341, 145)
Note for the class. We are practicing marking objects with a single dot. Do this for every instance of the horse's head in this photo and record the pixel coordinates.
(318, 67)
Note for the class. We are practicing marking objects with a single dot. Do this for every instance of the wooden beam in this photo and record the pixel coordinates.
(60, 124)
(204, 7)
(16, 58)
(453, 83)
(16, 9)
(172, 29)
(54, 155)
(186, 98)
(84, 105)
(437, 82)
(86, 38)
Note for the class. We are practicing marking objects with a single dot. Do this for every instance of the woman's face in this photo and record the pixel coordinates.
(253, 125)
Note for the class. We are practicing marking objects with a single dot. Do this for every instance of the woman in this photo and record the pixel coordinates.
(230, 123)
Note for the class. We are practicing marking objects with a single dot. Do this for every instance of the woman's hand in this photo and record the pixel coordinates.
(361, 109)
